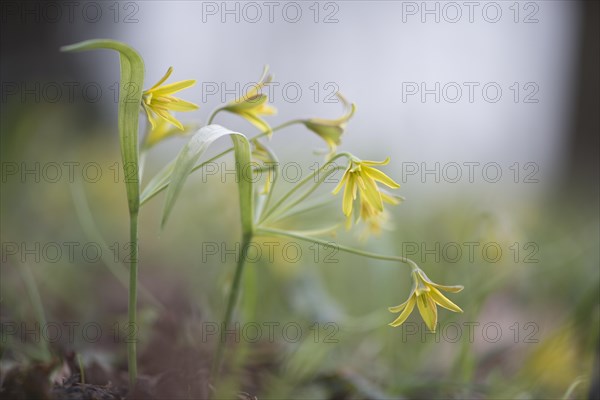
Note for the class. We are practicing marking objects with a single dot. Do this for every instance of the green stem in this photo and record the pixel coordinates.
(302, 183)
(213, 115)
(133, 270)
(231, 301)
(300, 199)
(376, 256)
(289, 213)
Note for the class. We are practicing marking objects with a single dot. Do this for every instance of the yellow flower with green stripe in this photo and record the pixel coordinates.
(331, 130)
(427, 296)
(158, 101)
(254, 104)
(361, 178)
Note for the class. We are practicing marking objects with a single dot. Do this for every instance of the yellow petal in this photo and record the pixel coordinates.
(173, 87)
(440, 299)
(398, 308)
(370, 193)
(162, 80)
(165, 114)
(428, 311)
(266, 109)
(347, 200)
(381, 177)
(182, 105)
(264, 80)
(151, 116)
(451, 289)
(256, 121)
(390, 199)
(338, 122)
(370, 163)
(410, 305)
(348, 223)
(343, 181)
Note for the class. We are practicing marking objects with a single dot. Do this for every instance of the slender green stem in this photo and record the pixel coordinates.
(284, 125)
(231, 302)
(133, 270)
(302, 183)
(323, 201)
(213, 115)
(278, 232)
(279, 212)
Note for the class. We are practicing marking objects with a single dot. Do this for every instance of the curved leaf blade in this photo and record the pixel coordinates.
(189, 156)
(130, 98)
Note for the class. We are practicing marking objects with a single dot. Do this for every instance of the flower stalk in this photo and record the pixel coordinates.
(232, 300)
(132, 307)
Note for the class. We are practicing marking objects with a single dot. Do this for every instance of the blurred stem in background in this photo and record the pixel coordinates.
(38, 307)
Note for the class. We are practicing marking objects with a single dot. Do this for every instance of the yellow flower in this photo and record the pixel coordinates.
(163, 130)
(426, 295)
(376, 222)
(253, 104)
(158, 101)
(361, 177)
(331, 130)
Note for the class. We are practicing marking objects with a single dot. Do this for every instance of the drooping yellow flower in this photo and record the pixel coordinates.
(361, 177)
(426, 295)
(254, 104)
(158, 101)
(331, 130)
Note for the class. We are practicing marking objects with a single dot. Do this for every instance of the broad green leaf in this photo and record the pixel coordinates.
(130, 98)
(191, 153)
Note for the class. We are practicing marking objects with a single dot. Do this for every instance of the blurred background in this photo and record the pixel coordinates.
(488, 110)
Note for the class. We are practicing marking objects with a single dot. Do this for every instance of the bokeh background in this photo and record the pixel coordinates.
(532, 116)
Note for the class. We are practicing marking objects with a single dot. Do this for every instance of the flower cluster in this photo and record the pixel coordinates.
(363, 199)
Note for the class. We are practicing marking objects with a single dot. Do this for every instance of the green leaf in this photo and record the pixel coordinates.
(189, 156)
(158, 182)
(130, 98)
